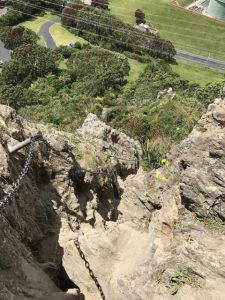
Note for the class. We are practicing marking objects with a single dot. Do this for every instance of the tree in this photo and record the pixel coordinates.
(140, 16)
(95, 71)
(16, 36)
(28, 63)
(11, 18)
(99, 27)
(12, 95)
(56, 5)
(103, 4)
(28, 6)
(69, 13)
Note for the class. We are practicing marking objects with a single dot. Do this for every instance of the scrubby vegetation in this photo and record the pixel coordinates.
(134, 90)
(16, 36)
(186, 276)
(214, 224)
(20, 11)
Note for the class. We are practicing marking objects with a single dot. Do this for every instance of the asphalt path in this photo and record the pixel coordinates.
(5, 54)
(45, 34)
(202, 60)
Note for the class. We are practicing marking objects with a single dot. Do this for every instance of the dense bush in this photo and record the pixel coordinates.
(95, 71)
(20, 11)
(16, 36)
(144, 59)
(157, 123)
(67, 51)
(32, 83)
(28, 63)
(208, 93)
(101, 28)
(103, 4)
(12, 17)
(140, 16)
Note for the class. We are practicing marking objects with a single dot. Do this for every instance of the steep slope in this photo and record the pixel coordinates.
(157, 235)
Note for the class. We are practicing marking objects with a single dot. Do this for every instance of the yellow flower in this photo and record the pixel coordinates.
(163, 161)
(159, 176)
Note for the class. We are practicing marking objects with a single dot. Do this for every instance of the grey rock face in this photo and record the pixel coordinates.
(139, 231)
(202, 162)
(123, 151)
(57, 188)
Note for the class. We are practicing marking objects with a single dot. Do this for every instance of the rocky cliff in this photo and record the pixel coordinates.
(88, 221)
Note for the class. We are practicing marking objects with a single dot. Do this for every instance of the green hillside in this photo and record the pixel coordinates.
(186, 30)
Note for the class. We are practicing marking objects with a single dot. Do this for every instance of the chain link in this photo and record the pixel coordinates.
(87, 265)
(76, 242)
(15, 186)
(81, 253)
(112, 173)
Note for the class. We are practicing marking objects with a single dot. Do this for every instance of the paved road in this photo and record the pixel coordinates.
(3, 11)
(45, 34)
(4, 53)
(209, 62)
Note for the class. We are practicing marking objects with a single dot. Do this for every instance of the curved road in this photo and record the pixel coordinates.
(45, 34)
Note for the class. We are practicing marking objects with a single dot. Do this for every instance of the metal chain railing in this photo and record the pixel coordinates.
(87, 265)
(15, 186)
(112, 173)
(81, 253)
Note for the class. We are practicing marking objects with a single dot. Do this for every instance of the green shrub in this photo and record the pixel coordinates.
(153, 154)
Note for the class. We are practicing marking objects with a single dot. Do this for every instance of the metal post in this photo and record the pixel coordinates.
(25, 143)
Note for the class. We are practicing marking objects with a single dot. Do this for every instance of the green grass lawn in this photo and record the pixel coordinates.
(194, 73)
(36, 23)
(197, 74)
(186, 30)
(62, 36)
(136, 69)
(184, 3)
